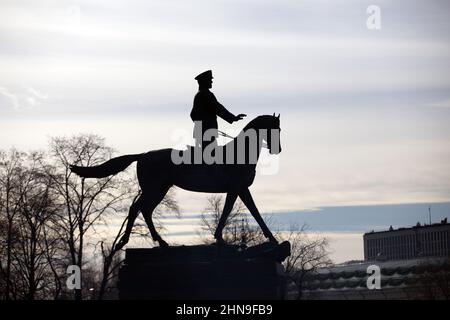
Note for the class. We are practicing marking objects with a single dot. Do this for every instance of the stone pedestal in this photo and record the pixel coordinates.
(204, 272)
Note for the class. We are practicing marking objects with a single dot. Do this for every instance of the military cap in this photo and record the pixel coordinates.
(204, 75)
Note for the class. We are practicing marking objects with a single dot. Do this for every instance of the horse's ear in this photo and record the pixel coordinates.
(273, 114)
(278, 116)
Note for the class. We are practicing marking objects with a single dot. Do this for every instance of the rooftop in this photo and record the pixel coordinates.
(418, 225)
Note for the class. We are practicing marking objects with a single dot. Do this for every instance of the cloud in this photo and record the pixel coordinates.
(355, 129)
(111, 54)
(23, 99)
(12, 98)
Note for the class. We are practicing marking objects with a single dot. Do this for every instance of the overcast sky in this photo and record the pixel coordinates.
(364, 113)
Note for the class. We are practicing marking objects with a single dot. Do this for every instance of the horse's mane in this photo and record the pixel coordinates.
(259, 122)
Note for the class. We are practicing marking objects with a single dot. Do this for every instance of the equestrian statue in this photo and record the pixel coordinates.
(230, 168)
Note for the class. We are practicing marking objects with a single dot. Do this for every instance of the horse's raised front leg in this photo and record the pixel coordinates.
(229, 203)
(247, 199)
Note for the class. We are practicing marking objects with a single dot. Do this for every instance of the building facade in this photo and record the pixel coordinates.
(413, 263)
(414, 279)
(419, 241)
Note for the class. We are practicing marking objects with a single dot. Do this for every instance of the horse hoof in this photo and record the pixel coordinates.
(122, 242)
(220, 241)
(163, 244)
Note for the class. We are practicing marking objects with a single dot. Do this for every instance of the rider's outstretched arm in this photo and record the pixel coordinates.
(226, 115)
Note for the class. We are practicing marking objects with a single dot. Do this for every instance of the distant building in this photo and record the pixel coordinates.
(414, 263)
(423, 279)
(419, 241)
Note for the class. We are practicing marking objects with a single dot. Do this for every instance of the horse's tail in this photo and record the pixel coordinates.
(110, 167)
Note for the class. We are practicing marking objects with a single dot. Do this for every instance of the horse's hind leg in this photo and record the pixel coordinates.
(132, 215)
(153, 198)
(229, 203)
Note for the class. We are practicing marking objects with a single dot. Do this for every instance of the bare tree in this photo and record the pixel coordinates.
(36, 209)
(110, 257)
(237, 229)
(27, 243)
(308, 253)
(84, 202)
(11, 173)
(433, 282)
(48, 216)
(55, 256)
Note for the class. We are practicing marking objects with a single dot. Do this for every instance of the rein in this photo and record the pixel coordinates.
(223, 134)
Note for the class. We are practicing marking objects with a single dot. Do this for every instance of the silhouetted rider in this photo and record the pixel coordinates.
(206, 109)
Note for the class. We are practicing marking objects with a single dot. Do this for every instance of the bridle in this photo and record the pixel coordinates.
(223, 134)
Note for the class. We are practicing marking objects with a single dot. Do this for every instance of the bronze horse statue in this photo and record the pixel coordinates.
(157, 173)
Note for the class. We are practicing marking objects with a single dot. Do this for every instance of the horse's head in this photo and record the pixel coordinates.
(273, 136)
(269, 125)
